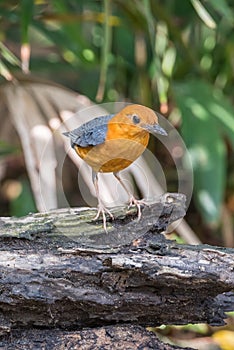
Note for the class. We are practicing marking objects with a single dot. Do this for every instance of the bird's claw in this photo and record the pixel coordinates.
(135, 202)
(102, 210)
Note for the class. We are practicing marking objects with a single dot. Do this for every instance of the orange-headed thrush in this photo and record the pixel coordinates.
(112, 142)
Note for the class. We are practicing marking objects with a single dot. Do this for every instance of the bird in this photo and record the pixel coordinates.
(110, 143)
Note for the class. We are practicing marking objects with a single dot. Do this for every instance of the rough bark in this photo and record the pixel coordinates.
(59, 270)
(105, 338)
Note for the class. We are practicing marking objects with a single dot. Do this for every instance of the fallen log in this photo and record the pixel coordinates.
(60, 271)
(105, 338)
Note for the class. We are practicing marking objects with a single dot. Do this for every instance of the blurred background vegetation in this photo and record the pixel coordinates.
(176, 57)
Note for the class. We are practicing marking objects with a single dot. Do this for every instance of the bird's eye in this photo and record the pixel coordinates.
(135, 119)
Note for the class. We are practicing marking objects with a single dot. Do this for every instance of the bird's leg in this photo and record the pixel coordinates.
(132, 199)
(101, 207)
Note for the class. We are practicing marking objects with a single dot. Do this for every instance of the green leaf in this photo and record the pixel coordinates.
(202, 130)
(223, 111)
(24, 203)
(9, 56)
(222, 7)
(203, 14)
(27, 7)
(106, 49)
(213, 101)
(4, 71)
(6, 149)
(71, 30)
(168, 62)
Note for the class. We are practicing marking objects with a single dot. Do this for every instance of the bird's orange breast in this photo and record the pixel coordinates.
(123, 145)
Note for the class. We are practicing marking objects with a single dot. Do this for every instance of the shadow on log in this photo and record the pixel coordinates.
(59, 270)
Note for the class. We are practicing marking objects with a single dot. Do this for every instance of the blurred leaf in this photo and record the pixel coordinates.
(27, 7)
(203, 14)
(9, 56)
(161, 39)
(105, 51)
(225, 339)
(6, 149)
(147, 9)
(175, 237)
(202, 132)
(5, 72)
(169, 61)
(222, 109)
(200, 328)
(163, 85)
(136, 14)
(85, 17)
(70, 31)
(24, 203)
(222, 7)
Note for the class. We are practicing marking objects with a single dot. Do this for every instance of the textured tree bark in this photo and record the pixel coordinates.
(59, 270)
(105, 338)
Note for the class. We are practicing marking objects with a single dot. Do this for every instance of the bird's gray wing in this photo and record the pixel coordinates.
(91, 133)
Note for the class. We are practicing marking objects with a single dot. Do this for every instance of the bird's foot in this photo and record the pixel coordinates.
(136, 202)
(102, 210)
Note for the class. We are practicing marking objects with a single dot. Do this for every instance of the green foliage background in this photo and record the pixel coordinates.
(174, 56)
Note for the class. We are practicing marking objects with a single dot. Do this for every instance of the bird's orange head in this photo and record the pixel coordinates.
(141, 117)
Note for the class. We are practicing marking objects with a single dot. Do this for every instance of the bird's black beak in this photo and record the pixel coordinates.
(155, 129)
(66, 133)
